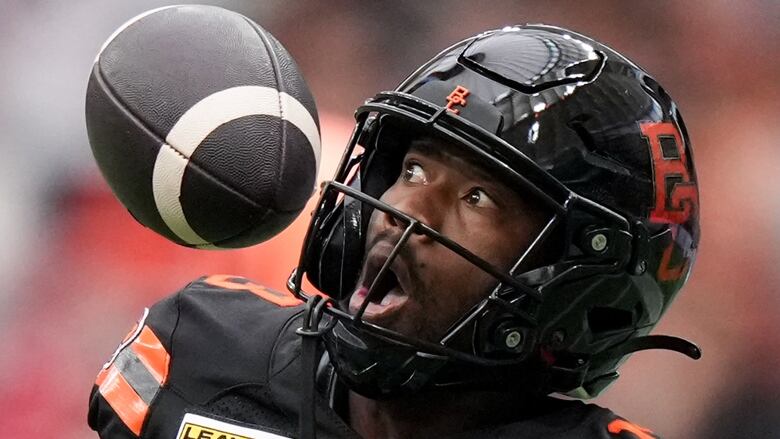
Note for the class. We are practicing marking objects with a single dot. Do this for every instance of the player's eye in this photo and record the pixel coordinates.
(479, 198)
(414, 173)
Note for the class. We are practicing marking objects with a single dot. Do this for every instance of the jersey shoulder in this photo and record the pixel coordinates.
(220, 332)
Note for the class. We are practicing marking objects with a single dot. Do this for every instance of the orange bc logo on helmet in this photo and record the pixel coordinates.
(457, 97)
(676, 195)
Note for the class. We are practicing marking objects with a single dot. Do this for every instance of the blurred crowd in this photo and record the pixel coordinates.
(78, 269)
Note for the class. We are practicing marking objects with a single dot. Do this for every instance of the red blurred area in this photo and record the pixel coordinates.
(96, 268)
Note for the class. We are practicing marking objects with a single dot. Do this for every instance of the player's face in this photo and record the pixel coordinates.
(431, 286)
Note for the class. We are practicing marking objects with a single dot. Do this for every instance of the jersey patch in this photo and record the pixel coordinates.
(200, 427)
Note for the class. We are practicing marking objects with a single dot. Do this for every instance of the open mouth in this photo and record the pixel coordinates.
(388, 295)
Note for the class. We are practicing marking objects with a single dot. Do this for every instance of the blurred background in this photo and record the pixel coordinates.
(78, 270)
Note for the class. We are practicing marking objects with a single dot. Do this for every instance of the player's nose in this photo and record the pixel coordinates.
(425, 204)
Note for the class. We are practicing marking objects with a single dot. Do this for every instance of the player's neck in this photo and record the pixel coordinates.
(429, 414)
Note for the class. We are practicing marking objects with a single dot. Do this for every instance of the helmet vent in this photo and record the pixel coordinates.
(531, 61)
(604, 319)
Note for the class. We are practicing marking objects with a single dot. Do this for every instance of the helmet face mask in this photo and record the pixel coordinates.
(605, 249)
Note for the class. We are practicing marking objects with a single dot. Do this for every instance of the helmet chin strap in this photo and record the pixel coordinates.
(310, 333)
(378, 369)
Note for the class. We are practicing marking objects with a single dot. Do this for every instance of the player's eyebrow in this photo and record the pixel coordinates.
(443, 150)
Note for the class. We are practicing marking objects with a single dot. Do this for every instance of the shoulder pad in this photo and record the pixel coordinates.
(226, 282)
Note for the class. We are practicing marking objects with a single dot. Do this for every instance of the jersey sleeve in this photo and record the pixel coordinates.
(130, 381)
(214, 334)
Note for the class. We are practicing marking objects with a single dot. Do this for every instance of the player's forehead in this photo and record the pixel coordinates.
(450, 153)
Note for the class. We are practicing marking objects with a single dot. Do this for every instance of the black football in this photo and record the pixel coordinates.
(203, 126)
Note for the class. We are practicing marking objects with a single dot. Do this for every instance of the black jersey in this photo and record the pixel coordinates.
(220, 360)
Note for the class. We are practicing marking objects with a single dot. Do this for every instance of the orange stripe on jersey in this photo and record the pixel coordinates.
(241, 284)
(125, 402)
(150, 351)
(620, 425)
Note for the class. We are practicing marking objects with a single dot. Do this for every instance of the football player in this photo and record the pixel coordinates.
(508, 224)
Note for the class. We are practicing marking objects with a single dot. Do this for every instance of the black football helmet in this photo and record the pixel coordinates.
(596, 140)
